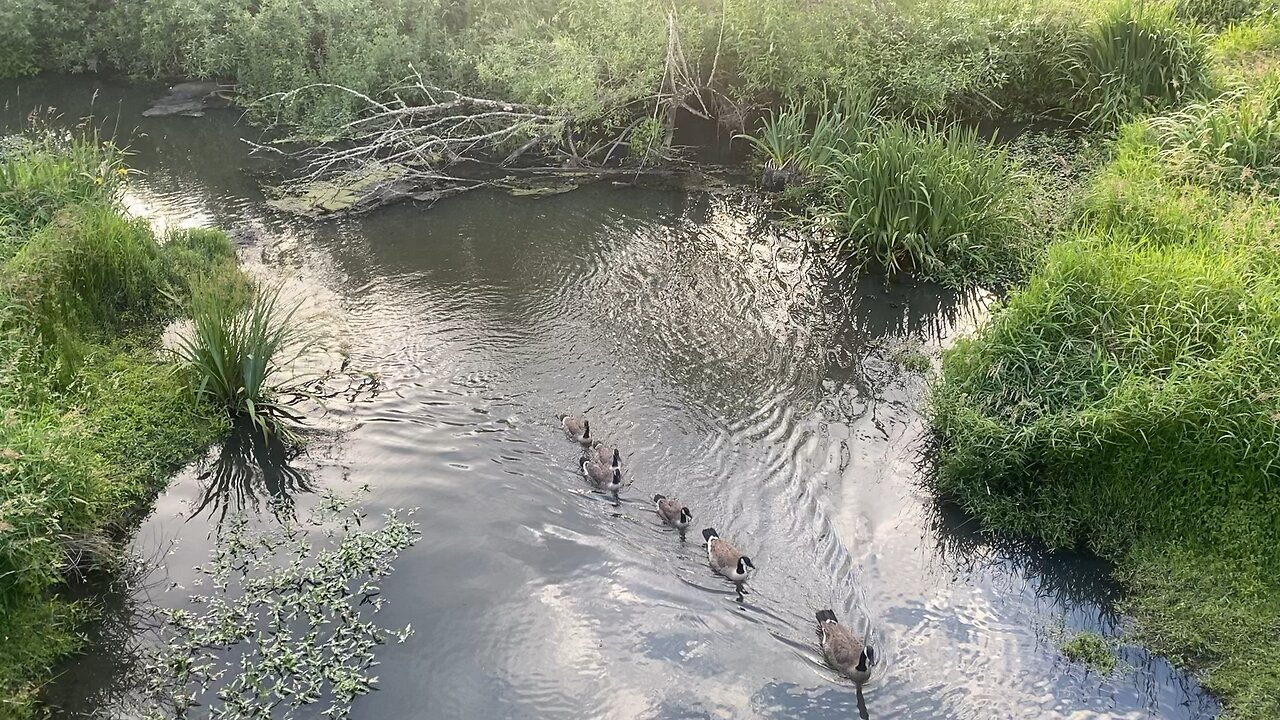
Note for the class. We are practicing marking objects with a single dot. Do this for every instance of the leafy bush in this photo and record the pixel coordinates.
(942, 202)
(1139, 59)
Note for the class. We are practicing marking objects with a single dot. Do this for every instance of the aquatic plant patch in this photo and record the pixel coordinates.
(281, 623)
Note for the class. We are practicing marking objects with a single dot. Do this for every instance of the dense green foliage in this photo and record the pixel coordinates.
(1233, 141)
(932, 198)
(1127, 399)
(1137, 59)
(91, 417)
(604, 61)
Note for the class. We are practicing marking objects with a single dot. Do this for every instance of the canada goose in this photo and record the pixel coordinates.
(605, 455)
(843, 650)
(725, 558)
(578, 429)
(673, 513)
(602, 476)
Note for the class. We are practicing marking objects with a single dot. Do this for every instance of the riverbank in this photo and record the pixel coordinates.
(1126, 400)
(95, 417)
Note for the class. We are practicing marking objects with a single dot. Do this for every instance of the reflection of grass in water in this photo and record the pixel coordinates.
(282, 625)
(248, 468)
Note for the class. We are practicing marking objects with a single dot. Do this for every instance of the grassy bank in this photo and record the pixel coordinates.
(92, 417)
(1128, 398)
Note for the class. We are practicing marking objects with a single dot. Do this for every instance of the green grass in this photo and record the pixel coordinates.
(1232, 141)
(1216, 14)
(1091, 650)
(94, 419)
(1126, 400)
(1244, 53)
(1140, 58)
(942, 202)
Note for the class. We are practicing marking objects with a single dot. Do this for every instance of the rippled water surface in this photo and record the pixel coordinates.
(733, 373)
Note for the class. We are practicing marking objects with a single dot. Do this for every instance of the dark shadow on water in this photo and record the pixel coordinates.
(250, 470)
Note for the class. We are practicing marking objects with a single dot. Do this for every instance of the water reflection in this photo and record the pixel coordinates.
(248, 471)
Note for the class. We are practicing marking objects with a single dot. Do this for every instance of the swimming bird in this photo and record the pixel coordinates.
(602, 476)
(725, 558)
(578, 429)
(843, 650)
(605, 454)
(673, 513)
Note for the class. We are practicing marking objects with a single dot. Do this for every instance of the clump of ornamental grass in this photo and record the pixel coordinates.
(243, 354)
(939, 201)
(1139, 59)
(1233, 141)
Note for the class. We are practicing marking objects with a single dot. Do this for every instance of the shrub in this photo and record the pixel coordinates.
(1139, 59)
(942, 202)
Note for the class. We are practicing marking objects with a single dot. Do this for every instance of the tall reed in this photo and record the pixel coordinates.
(792, 147)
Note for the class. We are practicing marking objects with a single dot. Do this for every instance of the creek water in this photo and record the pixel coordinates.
(734, 373)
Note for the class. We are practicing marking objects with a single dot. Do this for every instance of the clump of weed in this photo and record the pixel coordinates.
(44, 171)
(1245, 53)
(1232, 141)
(1137, 60)
(939, 201)
(1216, 14)
(798, 141)
(1091, 650)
